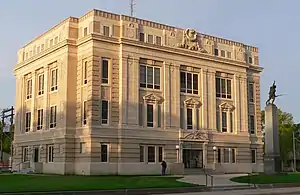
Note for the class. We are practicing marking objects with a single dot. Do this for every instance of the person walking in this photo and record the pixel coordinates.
(163, 168)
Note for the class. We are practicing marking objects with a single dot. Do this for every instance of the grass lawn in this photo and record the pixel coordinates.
(38, 183)
(269, 179)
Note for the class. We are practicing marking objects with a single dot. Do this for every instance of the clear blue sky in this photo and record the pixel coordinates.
(271, 25)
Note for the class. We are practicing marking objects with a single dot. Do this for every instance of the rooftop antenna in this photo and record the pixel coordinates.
(132, 4)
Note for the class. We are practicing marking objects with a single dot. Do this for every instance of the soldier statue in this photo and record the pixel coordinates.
(272, 94)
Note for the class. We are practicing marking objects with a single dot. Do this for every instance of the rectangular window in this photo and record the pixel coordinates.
(105, 71)
(151, 154)
(158, 115)
(251, 92)
(56, 40)
(222, 53)
(52, 117)
(27, 121)
(233, 155)
(84, 113)
(228, 54)
(226, 155)
(189, 117)
(158, 40)
(142, 156)
(51, 42)
(223, 88)
(82, 148)
(25, 154)
(160, 154)
(29, 89)
(216, 52)
(250, 60)
(104, 112)
(106, 31)
(40, 118)
(50, 153)
(224, 122)
(253, 156)
(231, 122)
(42, 47)
(252, 124)
(219, 155)
(84, 72)
(85, 31)
(142, 37)
(41, 84)
(104, 153)
(150, 115)
(150, 38)
(189, 82)
(149, 77)
(54, 79)
(38, 49)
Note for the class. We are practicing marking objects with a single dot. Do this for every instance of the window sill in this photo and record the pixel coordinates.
(220, 98)
(105, 85)
(190, 94)
(51, 92)
(150, 89)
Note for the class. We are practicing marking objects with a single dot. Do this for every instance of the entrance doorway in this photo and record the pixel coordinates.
(192, 158)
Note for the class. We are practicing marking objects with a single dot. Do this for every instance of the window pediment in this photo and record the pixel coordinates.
(192, 102)
(226, 106)
(152, 98)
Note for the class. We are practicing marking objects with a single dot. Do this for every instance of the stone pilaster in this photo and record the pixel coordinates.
(211, 111)
(94, 82)
(167, 96)
(204, 154)
(175, 87)
(46, 99)
(204, 96)
(237, 119)
(257, 105)
(19, 104)
(244, 104)
(123, 88)
(33, 115)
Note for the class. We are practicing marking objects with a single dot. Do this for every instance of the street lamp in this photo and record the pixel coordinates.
(294, 148)
(215, 149)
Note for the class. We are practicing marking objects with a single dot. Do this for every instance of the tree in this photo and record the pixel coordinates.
(286, 128)
(7, 138)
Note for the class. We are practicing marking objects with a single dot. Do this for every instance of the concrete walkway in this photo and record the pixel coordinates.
(218, 180)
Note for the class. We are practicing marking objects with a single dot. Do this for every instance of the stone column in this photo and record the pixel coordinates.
(237, 110)
(155, 114)
(204, 95)
(228, 120)
(145, 114)
(195, 117)
(123, 88)
(204, 153)
(167, 96)
(32, 122)
(46, 99)
(211, 99)
(19, 104)
(176, 102)
(244, 104)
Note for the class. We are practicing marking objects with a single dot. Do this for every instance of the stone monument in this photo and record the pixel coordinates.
(272, 160)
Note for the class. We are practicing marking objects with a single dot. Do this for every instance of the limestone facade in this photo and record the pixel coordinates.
(111, 94)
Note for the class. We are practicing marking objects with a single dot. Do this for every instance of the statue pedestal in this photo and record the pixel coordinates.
(272, 160)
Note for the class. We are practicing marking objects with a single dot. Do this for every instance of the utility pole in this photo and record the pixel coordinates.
(132, 4)
(7, 113)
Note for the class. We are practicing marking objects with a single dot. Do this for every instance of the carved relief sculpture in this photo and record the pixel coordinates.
(198, 134)
(190, 41)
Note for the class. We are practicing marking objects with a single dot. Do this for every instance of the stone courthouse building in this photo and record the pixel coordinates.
(112, 94)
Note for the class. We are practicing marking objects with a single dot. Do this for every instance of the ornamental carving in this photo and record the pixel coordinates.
(198, 135)
(190, 41)
(152, 98)
(192, 102)
(226, 106)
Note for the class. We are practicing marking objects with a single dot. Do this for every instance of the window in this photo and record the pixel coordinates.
(158, 40)
(36, 154)
(219, 155)
(42, 47)
(85, 31)
(189, 117)
(106, 30)
(226, 155)
(41, 84)
(160, 154)
(233, 155)
(51, 42)
(104, 153)
(224, 122)
(56, 40)
(29, 89)
(222, 53)
(38, 49)
(252, 124)
(189, 82)
(250, 60)
(50, 153)
(104, 112)
(27, 121)
(142, 37)
(228, 54)
(149, 77)
(40, 119)
(84, 72)
(52, 117)
(253, 156)
(150, 38)
(151, 154)
(142, 155)
(216, 52)
(105, 71)
(231, 122)
(54, 80)
(84, 113)
(150, 116)
(223, 88)
(251, 92)
(82, 148)
(25, 154)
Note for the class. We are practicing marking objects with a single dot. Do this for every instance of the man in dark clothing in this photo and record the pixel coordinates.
(163, 167)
